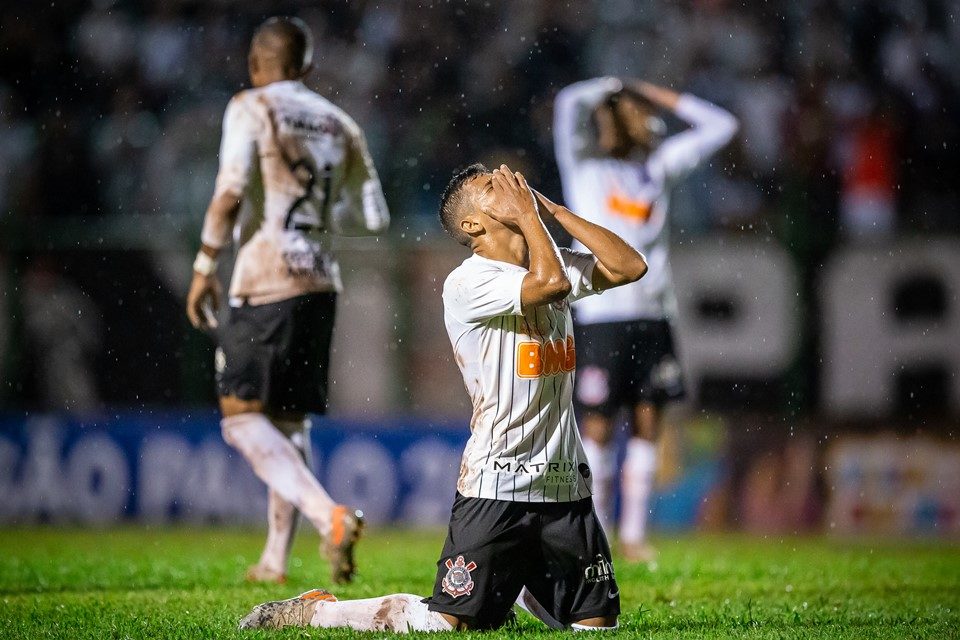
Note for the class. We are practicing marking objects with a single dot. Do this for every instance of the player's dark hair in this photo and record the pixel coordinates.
(289, 39)
(631, 94)
(452, 200)
(610, 104)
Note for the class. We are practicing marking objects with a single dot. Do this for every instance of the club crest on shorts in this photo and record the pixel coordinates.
(458, 581)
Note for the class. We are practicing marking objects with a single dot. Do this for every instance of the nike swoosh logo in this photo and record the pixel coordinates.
(613, 594)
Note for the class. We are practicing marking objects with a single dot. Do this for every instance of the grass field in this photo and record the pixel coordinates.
(184, 583)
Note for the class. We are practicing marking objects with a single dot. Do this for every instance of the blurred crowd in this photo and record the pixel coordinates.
(849, 109)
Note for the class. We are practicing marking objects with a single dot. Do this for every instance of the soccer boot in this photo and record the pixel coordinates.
(295, 612)
(259, 573)
(345, 528)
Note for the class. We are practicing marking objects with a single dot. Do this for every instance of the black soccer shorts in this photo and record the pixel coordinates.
(496, 547)
(278, 353)
(623, 363)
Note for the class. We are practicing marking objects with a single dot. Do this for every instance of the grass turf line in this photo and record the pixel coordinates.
(187, 583)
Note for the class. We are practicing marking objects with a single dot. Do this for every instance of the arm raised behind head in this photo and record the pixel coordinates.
(617, 262)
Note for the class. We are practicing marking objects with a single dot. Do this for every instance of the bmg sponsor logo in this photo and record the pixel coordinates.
(535, 359)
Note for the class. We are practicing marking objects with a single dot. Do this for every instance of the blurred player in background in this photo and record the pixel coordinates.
(310, 160)
(522, 523)
(617, 170)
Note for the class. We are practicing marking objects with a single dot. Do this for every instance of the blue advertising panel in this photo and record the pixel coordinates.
(165, 467)
(174, 467)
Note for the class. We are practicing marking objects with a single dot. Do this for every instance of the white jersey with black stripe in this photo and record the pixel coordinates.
(518, 367)
(631, 197)
(311, 161)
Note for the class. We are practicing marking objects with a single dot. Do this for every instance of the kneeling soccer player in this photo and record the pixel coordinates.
(523, 522)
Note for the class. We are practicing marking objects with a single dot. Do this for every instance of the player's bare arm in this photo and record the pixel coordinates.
(515, 206)
(660, 96)
(617, 262)
(205, 290)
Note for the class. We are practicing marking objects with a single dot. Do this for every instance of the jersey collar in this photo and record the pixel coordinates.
(500, 263)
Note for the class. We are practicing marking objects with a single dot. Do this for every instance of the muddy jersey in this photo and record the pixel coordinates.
(631, 197)
(518, 367)
(317, 178)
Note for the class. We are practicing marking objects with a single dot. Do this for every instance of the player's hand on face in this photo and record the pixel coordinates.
(548, 208)
(203, 300)
(514, 201)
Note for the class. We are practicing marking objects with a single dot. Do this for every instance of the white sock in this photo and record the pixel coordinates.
(602, 459)
(636, 487)
(282, 520)
(528, 603)
(583, 627)
(282, 516)
(277, 462)
(400, 612)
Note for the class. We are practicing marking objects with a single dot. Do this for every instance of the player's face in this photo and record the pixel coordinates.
(487, 206)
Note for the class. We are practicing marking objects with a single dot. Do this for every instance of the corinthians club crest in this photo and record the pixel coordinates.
(458, 581)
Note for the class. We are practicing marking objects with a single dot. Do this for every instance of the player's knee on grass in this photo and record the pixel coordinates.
(468, 624)
(605, 623)
(453, 621)
(598, 427)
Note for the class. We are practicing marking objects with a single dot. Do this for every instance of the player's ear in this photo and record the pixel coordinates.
(307, 66)
(471, 225)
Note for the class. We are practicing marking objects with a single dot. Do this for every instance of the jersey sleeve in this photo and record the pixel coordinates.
(579, 267)
(238, 148)
(572, 110)
(361, 208)
(476, 295)
(238, 153)
(710, 129)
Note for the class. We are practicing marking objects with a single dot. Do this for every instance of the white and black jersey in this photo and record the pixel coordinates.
(518, 367)
(317, 177)
(631, 197)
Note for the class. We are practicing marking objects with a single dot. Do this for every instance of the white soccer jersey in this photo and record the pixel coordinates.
(317, 177)
(518, 366)
(631, 197)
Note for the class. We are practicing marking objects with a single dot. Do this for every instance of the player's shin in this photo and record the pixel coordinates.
(282, 516)
(638, 473)
(401, 613)
(602, 459)
(282, 520)
(279, 464)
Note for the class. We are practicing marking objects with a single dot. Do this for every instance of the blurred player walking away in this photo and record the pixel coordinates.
(617, 172)
(311, 162)
(522, 522)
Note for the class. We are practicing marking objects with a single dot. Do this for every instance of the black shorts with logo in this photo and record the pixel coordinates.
(496, 547)
(623, 363)
(278, 353)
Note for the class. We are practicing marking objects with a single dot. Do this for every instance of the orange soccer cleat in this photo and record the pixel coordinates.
(346, 527)
(295, 612)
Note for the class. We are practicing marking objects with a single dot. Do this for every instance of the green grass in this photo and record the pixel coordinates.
(186, 583)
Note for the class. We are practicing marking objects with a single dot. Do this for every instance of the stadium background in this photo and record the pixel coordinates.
(817, 258)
